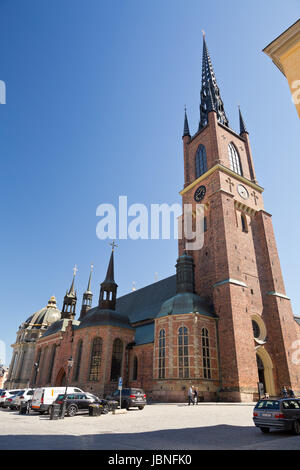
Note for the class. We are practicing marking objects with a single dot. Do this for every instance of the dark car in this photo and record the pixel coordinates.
(77, 402)
(280, 413)
(130, 397)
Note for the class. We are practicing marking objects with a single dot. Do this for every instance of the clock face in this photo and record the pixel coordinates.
(242, 191)
(199, 193)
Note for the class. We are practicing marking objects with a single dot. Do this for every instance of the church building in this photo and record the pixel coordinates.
(223, 323)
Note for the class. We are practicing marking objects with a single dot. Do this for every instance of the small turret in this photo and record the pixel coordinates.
(87, 298)
(70, 299)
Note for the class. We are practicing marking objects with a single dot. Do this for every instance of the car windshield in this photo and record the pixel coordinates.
(268, 405)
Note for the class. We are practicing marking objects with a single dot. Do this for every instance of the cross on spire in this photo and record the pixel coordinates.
(113, 245)
(75, 270)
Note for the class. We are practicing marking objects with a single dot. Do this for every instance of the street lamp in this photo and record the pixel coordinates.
(70, 365)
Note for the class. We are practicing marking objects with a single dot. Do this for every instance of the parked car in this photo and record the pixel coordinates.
(77, 402)
(23, 395)
(5, 395)
(281, 413)
(44, 397)
(11, 403)
(130, 397)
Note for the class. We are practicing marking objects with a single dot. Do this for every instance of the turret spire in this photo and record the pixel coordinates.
(186, 130)
(242, 123)
(108, 291)
(210, 93)
(87, 298)
(70, 299)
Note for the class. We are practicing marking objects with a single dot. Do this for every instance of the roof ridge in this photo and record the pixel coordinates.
(145, 287)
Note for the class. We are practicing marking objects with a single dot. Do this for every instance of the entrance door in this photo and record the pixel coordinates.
(261, 371)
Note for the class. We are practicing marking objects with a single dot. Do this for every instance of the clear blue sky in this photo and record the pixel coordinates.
(95, 99)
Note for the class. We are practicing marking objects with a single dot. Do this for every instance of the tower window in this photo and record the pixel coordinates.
(206, 354)
(96, 359)
(201, 161)
(183, 353)
(162, 354)
(234, 160)
(116, 360)
(244, 223)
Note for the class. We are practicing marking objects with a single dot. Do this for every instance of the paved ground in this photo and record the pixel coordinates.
(158, 426)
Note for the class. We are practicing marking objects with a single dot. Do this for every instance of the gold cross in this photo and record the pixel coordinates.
(113, 245)
(75, 270)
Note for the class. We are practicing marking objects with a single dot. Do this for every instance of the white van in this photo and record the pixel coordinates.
(44, 397)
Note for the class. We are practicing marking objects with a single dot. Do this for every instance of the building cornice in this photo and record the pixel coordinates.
(278, 294)
(226, 170)
(230, 281)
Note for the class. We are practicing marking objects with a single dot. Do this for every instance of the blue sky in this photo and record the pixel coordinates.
(95, 99)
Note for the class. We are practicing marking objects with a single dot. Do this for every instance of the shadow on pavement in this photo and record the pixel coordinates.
(212, 437)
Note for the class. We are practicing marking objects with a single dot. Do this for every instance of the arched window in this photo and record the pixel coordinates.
(205, 354)
(201, 161)
(78, 360)
(162, 354)
(183, 353)
(135, 368)
(96, 359)
(244, 223)
(116, 360)
(205, 224)
(51, 364)
(234, 160)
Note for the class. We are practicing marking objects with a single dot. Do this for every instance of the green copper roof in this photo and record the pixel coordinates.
(185, 302)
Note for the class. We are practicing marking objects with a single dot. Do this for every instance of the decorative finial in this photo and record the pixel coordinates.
(133, 286)
(203, 32)
(75, 270)
(92, 267)
(113, 245)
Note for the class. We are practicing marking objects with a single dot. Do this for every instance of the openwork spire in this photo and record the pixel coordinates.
(210, 93)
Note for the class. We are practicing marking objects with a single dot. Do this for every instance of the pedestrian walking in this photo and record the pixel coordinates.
(284, 392)
(191, 395)
(196, 396)
(291, 393)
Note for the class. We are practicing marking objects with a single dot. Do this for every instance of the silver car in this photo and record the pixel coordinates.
(281, 414)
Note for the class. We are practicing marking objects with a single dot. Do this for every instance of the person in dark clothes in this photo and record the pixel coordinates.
(284, 392)
(196, 396)
(291, 393)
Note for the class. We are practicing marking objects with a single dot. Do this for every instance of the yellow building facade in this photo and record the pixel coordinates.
(285, 53)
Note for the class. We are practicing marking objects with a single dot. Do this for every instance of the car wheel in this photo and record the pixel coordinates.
(50, 409)
(265, 430)
(72, 410)
(297, 428)
(141, 407)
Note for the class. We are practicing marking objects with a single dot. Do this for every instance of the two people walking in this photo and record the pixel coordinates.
(287, 392)
(193, 395)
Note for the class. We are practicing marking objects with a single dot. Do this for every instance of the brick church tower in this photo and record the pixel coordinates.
(237, 270)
